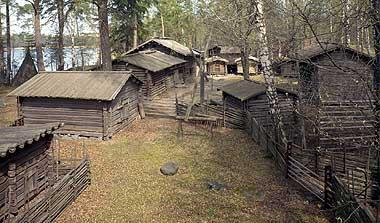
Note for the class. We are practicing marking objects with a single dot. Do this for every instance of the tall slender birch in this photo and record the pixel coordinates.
(268, 72)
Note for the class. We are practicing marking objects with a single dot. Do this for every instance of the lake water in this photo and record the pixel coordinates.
(90, 56)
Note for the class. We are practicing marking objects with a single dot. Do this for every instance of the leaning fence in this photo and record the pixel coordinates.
(329, 189)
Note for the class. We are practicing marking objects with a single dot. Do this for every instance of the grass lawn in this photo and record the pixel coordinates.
(127, 185)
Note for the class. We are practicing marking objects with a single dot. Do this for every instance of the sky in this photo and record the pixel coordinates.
(16, 23)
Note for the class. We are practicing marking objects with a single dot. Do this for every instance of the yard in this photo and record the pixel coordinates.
(127, 185)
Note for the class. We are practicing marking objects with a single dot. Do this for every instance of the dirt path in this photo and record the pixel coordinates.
(128, 187)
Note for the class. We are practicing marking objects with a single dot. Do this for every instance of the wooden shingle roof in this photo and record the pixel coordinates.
(152, 60)
(245, 89)
(15, 138)
(317, 50)
(167, 43)
(103, 86)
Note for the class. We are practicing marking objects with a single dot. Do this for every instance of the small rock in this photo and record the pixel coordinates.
(215, 186)
(169, 168)
(259, 196)
(2, 103)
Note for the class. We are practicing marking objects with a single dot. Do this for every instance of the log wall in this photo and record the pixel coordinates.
(123, 111)
(81, 117)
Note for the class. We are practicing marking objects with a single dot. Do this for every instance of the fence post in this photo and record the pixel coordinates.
(316, 161)
(288, 154)
(328, 177)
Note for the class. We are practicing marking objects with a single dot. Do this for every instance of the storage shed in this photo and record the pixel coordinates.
(250, 96)
(25, 167)
(37, 180)
(158, 71)
(91, 104)
(335, 88)
(229, 53)
(173, 48)
(216, 65)
(254, 65)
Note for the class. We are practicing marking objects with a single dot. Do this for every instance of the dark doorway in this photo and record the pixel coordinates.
(232, 69)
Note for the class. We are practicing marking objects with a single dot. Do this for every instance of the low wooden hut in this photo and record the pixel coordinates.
(229, 53)
(158, 71)
(36, 185)
(173, 48)
(91, 104)
(254, 65)
(250, 96)
(216, 65)
(26, 166)
(26, 71)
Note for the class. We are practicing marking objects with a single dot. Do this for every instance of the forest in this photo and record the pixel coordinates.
(259, 110)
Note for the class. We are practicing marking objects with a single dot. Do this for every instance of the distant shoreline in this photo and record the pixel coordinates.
(66, 47)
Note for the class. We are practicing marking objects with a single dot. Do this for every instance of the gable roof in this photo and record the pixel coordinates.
(168, 43)
(228, 49)
(250, 58)
(318, 50)
(245, 89)
(15, 138)
(26, 71)
(104, 86)
(152, 60)
(216, 58)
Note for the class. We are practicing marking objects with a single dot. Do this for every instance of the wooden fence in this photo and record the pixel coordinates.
(328, 189)
(49, 206)
(230, 118)
(346, 206)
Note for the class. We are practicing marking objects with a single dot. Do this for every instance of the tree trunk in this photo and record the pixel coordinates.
(9, 44)
(61, 24)
(104, 35)
(38, 36)
(162, 26)
(244, 54)
(2, 73)
(268, 73)
(376, 74)
(135, 32)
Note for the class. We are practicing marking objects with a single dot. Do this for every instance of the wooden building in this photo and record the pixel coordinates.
(335, 97)
(216, 65)
(33, 187)
(91, 104)
(158, 71)
(254, 65)
(250, 96)
(173, 48)
(26, 71)
(228, 53)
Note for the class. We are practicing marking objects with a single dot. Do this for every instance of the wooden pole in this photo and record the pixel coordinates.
(328, 177)
(288, 154)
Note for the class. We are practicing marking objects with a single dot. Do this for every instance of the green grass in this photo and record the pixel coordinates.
(127, 185)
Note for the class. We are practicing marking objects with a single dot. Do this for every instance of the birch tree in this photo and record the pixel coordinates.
(267, 70)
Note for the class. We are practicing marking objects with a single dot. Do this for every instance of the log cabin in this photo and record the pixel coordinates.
(91, 104)
(158, 71)
(173, 48)
(228, 53)
(335, 99)
(254, 65)
(250, 96)
(26, 166)
(216, 65)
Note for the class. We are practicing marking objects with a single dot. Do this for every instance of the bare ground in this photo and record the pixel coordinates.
(128, 187)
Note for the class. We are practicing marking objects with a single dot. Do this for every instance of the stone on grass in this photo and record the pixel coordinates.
(169, 168)
(216, 186)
